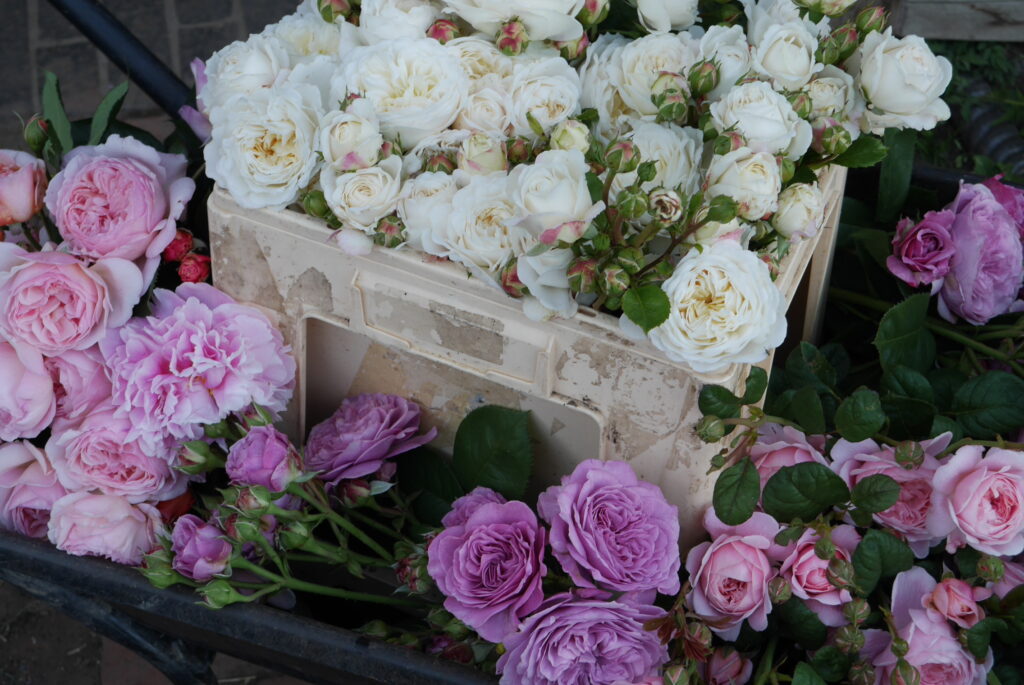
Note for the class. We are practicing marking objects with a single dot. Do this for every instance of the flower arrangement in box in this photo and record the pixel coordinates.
(654, 159)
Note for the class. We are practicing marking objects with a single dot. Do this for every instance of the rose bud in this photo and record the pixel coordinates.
(443, 30)
(673, 107)
(200, 549)
(519, 150)
(835, 140)
(294, 535)
(440, 162)
(703, 77)
(665, 205)
(353, 493)
(593, 12)
(899, 647)
(840, 573)
(375, 628)
(512, 38)
(197, 457)
(315, 204)
(847, 40)
(668, 83)
(780, 590)
(631, 203)
(264, 457)
(179, 247)
(729, 141)
(991, 569)
(568, 232)
(905, 674)
(710, 428)
(22, 186)
(801, 103)
(571, 135)
(909, 455)
(833, 8)
(697, 640)
(582, 273)
(849, 639)
(510, 282)
(482, 154)
(861, 673)
(251, 501)
(857, 610)
(390, 232)
(957, 601)
(824, 548)
(194, 268)
(622, 157)
(614, 280)
(631, 259)
(871, 19)
(675, 674)
(219, 594)
(156, 567)
(573, 49)
(722, 209)
(35, 134)
(331, 10)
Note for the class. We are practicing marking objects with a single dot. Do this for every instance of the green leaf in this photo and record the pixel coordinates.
(894, 176)
(736, 492)
(802, 623)
(967, 559)
(807, 366)
(879, 555)
(788, 535)
(107, 110)
(647, 306)
(990, 405)
(875, 493)
(942, 424)
(904, 381)
(803, 491)
(427, 473)
(805, 407)
(979, 636)
(53, 111)
(830, 663)
(839, 359)
(861, 518)
(1006, 674)
(866, 151)
(718, 401)
(908, 418)
(596, 186)
(860, 415)
(757, 383)
(902, 337)
(803, 174)
(945, 383)
(492, 449)
(805, 674)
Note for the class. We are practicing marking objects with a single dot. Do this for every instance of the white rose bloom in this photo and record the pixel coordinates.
(764, 118)
(751, 178)
(479, 58)
(644, 59)
(548, 88)
(306, 37)
(902, 80)
(481, 230)
(834, 97)
(482, 154)
(712, 232)
(262, 145)
(676, 154)
(725, 310)
(317, 72)
(363, 197)
(417, 87)
(487, 108)
(601, 70)
(727, 47)
(785, 55)
(571, 135)
(382, 20)
(243, 68)
(447, 143)
(350, 139)
(553, 191)
(424, 206)
(543, 19)
(763, 14)
(666, 15)
(801, 211)
(545, 275)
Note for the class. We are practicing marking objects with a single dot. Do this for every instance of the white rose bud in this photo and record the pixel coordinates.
(363, 197)
(351, 139)
(665, 205)
(666, 15)
(801, 211)
(645, 59)
(750, 178)
(786, 55)
(764, 118)
(571, 135)
(482, 154)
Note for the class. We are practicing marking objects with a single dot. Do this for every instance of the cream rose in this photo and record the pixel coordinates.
(801, 211)
(553, 192)
(548, 89)
(424, 206)
(675, 151)
(764, 118)
(728, 48)
(479, 58)
(725, 310)
(666, 15)
(306, 37)
(751, 178)
(363, 197)
(384, 20)
(763, 14)
(544, 19)
(487, 108)
(350, 139)
(643, 61)
(242, 68)
(481, 230)
(571, 135)
(785, 55)
(482, 154)
(736, 230)
(545, 276)
(601, 70)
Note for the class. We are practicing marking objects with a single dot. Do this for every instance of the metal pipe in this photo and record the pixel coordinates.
(127, 52)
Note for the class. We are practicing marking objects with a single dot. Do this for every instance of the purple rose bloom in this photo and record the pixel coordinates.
(463, 507)
(986, 271)
(200, 549)
(1011, 198)
(612, 531)
(921, 252)
(573, 640)
(490, 568)
(366, 430)
(264, 457)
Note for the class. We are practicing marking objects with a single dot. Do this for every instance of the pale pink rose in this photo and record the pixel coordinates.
(808, 574)
(22, 184)
(957, 601)
(27, 403)
(28, 489)
(108, 526)
(727, 667)
(1013, 576)
(55, 302)
(779, 446)
(80, 382)
(978, 500)
(854, 461)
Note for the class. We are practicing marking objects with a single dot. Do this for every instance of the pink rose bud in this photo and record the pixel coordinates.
(510, 282)
(835, 140)
(957, 601)
(872, 19)
(703, 77)
(862, 673)
(22, 186)
(443, 30)
(622, 157)
(909, 454)
(573, 49)
(593, 12)
(330, 10)
(673, 106)
(354, 492)
(668, 82)
(180, 246)
(856, 611)
(697, 640)
(519, 150)
(582, 273)
(201, 550)
(729, 141)
(779, 590)
(840, 574)
(390, 232)
(440, 162)
(264, 457)
(727, 667)
(512, 38)
(194, 268)
(614, 280)
(905, 674)
(36, 134)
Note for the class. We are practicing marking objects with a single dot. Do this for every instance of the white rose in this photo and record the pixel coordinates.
(262, 145)
(751, 178)
(363, 197)
(243, 68)
(481, 230)
(487, 108)
(482, 154)
(763, 14)
(725, 310)
(902, 81)
(571, 135)
(306, 37)
(545, 276)
(543, 19)
(547, 88)
(801, 211)
(317, 72)
(553, 191)
(644, 59)
(833, 94)
(445, 143)
(382, 20)
(601, 70)
(416, 87)
(666, 15)
(785, 55)
(351, 139)
(424, 206)
(736, 230)
(728, 48)
(675, 151)
(764, 118)
(479, 58)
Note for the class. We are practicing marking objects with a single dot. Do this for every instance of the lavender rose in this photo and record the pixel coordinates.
(490, 568)
(201, 550)
(463, 507)
(922, 251)
(104, 526)
(576, 640)
(361, 434)
(264, 457)
(610, 530)
(1011, 198)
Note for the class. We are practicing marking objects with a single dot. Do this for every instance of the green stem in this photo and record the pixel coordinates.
(26, 230)
(641, 238)
(303, 586)
(764, 668)
(403, 506)
(265, 590)
(51, 228)
(1002, 444)
(343, 522)
(379, 527)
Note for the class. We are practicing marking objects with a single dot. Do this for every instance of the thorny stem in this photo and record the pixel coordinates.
(301, 585)
(341, 521)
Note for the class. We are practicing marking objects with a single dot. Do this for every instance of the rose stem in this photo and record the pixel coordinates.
(296, 584)
(379, 527)
(342, 521)
(765, 667)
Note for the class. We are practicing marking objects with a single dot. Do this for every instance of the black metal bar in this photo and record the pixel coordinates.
(127, 52)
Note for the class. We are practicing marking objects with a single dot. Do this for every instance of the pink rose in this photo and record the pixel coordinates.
(957, 601)
(1011, 198)
(854, 461)
(778, 446)
(28, 489)
(978, 500)
(727, 667)
(80, 383)
(730, 574)
(808, 574)
(921, 252)
(1013, 576)
(54, 302)
(108, 526)
(22, 184)
(119, 199)
(27, 403)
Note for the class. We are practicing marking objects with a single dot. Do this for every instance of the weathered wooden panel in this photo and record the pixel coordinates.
(989, 20)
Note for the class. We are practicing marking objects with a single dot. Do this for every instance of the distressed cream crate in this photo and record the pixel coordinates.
(984, 20)
(395, 321)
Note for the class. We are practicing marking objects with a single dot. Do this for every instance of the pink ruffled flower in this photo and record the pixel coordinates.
(22, 184)
(1011, 198)
(1013, 576)
(808, 574)
(778, 446)
(727, 667)
(463, 507)
(28, 489)
(201, 551)
(922, 251)
(957, 601)
(854, 461)
(80, 382)
(27, 403)
(198, 357)
(108, 526)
